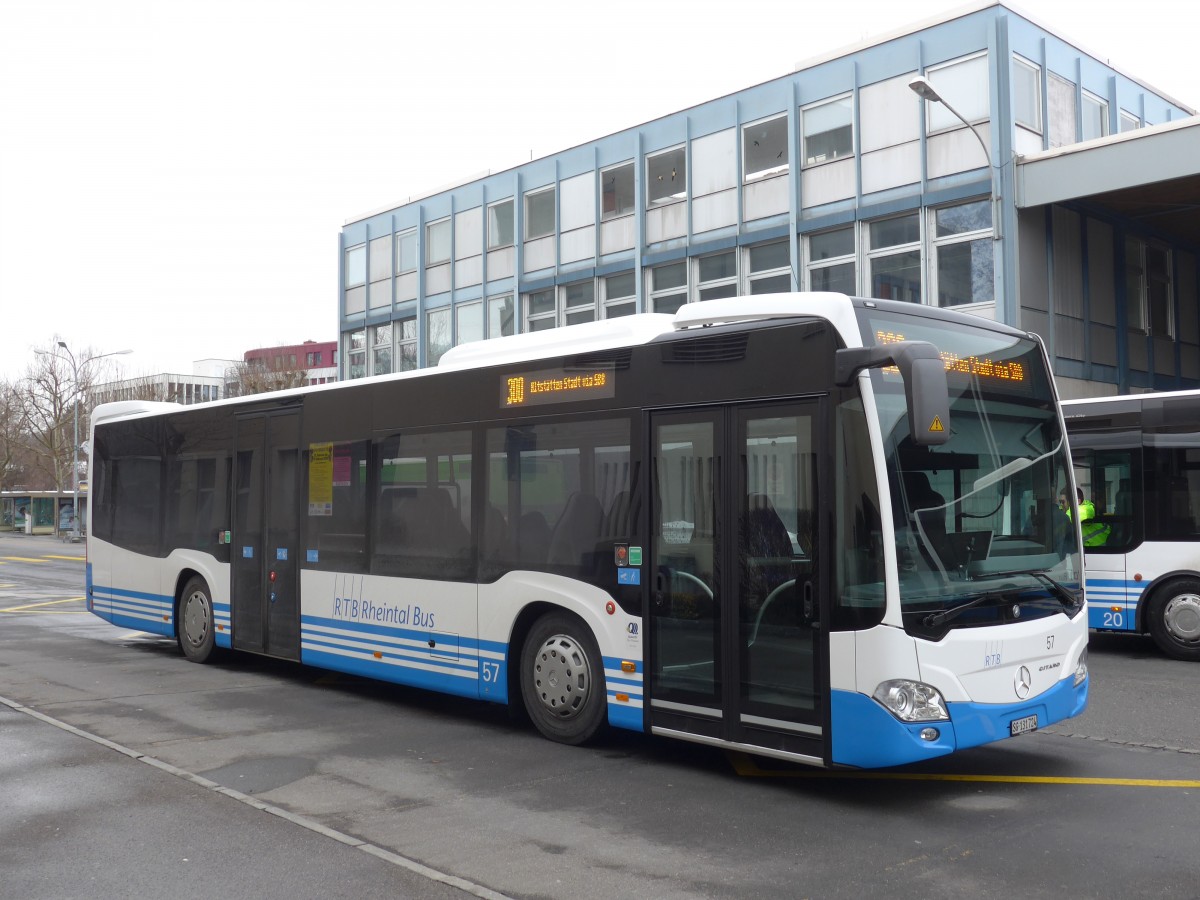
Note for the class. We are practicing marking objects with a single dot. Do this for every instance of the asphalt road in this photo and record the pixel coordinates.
(254, 777)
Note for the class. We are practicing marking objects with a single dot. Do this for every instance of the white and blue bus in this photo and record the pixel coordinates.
(793, 525)
(1137, 459)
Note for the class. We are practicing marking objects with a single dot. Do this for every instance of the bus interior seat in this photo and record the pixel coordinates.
(577, 530)
(531, 538)
(616, 520)
(923, 501)
(495, 533)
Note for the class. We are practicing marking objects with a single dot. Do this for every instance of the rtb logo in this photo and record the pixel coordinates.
(632, 628)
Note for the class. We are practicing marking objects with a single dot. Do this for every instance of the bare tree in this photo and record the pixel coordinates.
(12, 437)
(256, 378)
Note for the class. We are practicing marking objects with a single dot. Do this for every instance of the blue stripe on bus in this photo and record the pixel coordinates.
(622, 715)
(1113, 582)
(369, 667)
(387, 651)
(867, 735)
(402, 633)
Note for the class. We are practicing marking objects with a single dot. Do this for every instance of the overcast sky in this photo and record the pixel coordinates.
(174, 175)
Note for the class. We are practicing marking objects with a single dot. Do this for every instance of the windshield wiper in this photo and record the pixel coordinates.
(935, 619)
(1069, 599)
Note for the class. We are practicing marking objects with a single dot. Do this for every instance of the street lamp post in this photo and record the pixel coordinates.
(75, 367)
(923, 88)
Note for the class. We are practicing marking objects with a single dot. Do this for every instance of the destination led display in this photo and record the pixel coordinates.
(975, 366)
(556, 386)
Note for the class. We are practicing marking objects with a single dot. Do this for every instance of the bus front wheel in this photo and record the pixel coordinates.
(1175, 619)
(196, 627)
(562, 679)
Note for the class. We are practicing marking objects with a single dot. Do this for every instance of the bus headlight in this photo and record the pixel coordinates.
(1081, 668)
(912, 701)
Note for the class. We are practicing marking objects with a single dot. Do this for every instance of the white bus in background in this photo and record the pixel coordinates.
(1137, 459)
(793, 525)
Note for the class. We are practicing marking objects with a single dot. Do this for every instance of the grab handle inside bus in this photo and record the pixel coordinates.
(925, 390)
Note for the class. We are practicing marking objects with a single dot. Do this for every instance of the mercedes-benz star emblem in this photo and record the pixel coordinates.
(1022, 683)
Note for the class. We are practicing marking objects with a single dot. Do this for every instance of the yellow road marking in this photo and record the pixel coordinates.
(25, 559)
(745, 767)
(75, 558)
(30, 606)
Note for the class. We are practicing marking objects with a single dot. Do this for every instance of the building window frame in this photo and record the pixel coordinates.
(501, 230)
(536, 209)
(619, 183)
(711, 275)
(667, 176)
(1024, 67)
(665, 291)
(813, 111)
(894, 250)
(407, 348)
(439, 241)
(769, 279)
(501, 315)
(759, 141)
(615, 298)
(944, 240)
(356, 266)
(815, 264)
(541, 309)
(382, 353)
(1097, 105)
(462, 323)
(356, 353)
(406, 251)
(938, 119)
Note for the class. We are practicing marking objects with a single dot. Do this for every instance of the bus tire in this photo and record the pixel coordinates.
(197, 637)
(1174, 618)
(562, 679)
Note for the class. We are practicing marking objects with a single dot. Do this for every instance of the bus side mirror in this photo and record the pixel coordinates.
(926, 393)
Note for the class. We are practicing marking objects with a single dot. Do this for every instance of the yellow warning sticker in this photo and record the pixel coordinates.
(937, 425)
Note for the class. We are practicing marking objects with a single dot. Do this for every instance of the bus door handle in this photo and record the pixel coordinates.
(808, 604)
(660, 590)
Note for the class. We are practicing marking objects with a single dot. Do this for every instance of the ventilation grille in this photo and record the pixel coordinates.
(613, 360)
(719, 348)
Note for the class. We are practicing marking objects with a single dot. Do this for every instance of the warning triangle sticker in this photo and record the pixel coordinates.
(937, 424)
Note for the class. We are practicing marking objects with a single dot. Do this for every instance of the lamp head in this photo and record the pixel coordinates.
(923, 89)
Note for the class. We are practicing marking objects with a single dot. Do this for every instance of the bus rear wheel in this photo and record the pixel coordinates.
(562, 680)
(1175, 619)
(196, 626)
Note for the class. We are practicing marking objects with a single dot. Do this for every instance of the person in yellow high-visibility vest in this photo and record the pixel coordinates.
(1095, 533)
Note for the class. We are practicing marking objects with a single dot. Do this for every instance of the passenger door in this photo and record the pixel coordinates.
(265, 590)
(737, 653)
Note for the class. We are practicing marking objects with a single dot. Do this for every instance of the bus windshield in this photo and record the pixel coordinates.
(980, 537)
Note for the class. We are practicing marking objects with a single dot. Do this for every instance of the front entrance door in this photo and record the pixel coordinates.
(265, 590)
(737, 652)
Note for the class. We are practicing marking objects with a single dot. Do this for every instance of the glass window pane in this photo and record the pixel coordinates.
(577, 316)
(381, 258)
(381, 334)
(381, 361)
(437, 242)
(356, 265)
(965, 273)
(963, 85)
(666, 176)
(828, 131)
(966, 217)
(500, 225)
(616, 191)
(669, 303)
(718, 293)
(764, 147)
(670, 276)
(619, 286)
(831, 244)
(1027, 94)
(408, 329)
(772, 284)
(500, 316)
(578, 294)
(469, 323)
(540, 324)
(539, 214)
(720, 265)
(897, 277)
(620, 309)
(1095, 117)
(408, 357)
(438, 335)
(406, 251)
(893, 232)
(839, 278)
(771, 256)
(540, 302)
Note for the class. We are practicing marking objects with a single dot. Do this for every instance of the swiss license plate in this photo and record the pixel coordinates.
(1023, 726)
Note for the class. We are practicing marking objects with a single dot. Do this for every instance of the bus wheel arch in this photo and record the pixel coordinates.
(1173, 618)
(561, 678)
(195, 618)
